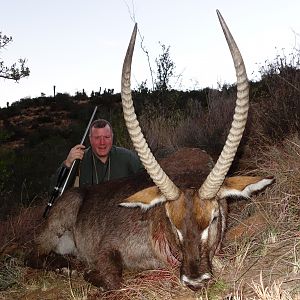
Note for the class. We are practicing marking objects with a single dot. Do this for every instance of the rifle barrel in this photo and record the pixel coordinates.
(61, 182)
(81, 143)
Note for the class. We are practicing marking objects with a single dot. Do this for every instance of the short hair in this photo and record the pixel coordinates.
(100, 123)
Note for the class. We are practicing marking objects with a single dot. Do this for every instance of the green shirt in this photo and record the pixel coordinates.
(121, 163)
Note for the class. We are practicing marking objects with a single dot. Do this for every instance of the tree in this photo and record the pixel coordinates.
(16, 71)
(165, 69)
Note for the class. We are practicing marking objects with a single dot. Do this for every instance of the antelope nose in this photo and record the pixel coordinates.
(195, 283)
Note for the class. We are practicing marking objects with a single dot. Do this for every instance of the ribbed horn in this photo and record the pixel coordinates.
(216, 177)
(159, 177)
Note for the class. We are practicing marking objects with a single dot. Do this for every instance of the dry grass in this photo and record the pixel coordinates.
(19, 229)
(193, 127)
(268, 261)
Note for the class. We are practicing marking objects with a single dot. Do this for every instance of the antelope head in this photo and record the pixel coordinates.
(197, 216)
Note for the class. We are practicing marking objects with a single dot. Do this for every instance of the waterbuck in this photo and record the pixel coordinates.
(152, 220)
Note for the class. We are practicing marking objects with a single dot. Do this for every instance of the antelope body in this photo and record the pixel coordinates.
(152, 220)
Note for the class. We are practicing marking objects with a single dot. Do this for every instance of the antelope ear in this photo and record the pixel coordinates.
(243, 186)
(144, 199)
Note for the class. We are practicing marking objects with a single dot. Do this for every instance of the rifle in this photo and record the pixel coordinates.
(65, 173)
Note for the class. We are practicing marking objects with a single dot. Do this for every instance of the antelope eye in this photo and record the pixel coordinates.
(214, 219)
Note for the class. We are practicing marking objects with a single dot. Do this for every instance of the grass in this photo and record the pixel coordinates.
(10, 273)
(272, 256)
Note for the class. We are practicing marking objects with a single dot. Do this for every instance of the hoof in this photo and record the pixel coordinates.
(35, 261)
(50, 262)
(95, 278)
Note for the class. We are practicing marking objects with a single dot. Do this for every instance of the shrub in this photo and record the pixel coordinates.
(276, 111)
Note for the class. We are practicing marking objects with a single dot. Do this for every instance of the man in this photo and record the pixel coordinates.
(102, 161)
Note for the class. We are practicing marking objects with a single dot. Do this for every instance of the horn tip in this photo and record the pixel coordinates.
(219, 16)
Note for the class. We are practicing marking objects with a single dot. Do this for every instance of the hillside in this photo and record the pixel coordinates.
(260, 255)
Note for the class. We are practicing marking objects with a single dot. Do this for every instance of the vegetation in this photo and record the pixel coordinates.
(165, 69)
(13, 72)
(260, 256)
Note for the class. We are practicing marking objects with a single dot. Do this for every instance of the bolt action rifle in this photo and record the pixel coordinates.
(65, 173)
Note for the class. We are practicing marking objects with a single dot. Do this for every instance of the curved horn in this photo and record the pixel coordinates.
(216, 177)
(159, 177)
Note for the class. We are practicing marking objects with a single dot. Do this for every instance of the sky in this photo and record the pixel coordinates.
(76, 45)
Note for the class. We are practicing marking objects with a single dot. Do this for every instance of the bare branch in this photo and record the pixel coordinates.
(132, 17)
(13, 72)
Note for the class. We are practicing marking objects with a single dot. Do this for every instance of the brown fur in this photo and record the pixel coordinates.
(89, 223)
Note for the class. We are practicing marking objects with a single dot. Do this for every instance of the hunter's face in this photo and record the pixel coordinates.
(101, 140)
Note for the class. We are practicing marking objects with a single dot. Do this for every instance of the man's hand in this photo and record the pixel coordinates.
(76, 152)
